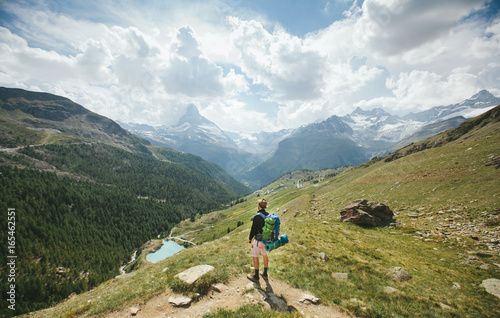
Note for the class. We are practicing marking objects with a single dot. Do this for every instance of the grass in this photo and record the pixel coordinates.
(250, 311)
(430, 191)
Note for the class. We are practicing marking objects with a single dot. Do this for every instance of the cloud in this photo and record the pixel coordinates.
(145, 63)
(393, 27)
(421, 90)
(278, 60)
(234, 115)
(188, 72)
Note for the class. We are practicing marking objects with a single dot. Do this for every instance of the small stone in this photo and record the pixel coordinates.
(390, 290)
(399, 274)
(134, 311)
(456, 286)
(179, 301)
(309, 298)
(323, 256)
(220, 287)
(251, 286)
(484, 266)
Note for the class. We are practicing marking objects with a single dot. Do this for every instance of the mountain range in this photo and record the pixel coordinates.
(258, 158)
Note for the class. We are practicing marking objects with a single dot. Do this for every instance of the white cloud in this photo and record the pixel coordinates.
(393, 27)
(234, 115)
(420, 90)
(145, 64)
(278, 60)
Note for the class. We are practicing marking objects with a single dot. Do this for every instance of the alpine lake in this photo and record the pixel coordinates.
(168, 249)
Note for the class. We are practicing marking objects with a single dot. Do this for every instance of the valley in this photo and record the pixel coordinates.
(446, 236)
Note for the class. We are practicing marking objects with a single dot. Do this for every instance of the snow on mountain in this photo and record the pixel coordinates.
(192, 127)
(377, 125)
(262, 142)
(476, 105)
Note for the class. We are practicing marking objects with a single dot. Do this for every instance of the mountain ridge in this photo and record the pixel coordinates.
(51, 118)
(368, 133)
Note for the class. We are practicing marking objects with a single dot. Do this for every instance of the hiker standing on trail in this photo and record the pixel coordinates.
(258, 245)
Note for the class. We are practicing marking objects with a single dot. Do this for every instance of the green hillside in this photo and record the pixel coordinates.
(87, 194)
(445, 195)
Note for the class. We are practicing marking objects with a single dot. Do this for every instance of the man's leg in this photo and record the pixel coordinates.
(255, 255)
(256, 266)
(266, 265)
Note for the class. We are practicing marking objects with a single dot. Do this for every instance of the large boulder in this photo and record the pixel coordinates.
(367, 213)
(492, 286)
(191, 275)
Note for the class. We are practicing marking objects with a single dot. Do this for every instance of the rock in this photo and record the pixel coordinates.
(340, 276)
(492, 286)
(179, 301)
(367, 213)
(309, 298)
(251, 286)
(323, 257)
(220, 287)
(399, 274)
(390, 290)
(134, 311)
(484, 266)
(194, 273)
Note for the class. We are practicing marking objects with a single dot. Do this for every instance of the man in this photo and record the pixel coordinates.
(258, 246)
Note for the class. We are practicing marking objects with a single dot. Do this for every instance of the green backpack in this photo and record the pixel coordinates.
(270, 231)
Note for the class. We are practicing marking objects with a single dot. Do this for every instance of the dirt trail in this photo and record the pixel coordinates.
(232, 298)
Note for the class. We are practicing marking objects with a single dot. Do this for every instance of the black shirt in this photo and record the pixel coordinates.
(258, 224)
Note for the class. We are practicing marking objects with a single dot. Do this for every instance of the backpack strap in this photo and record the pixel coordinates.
(261, 214)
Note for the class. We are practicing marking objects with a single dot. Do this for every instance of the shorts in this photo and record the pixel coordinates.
(258, 246)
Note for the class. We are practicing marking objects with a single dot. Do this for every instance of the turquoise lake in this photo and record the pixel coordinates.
(168, 249)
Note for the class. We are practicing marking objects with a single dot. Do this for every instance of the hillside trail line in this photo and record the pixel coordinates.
(231, 299)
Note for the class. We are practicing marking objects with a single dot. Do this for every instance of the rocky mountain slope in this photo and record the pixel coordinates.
(316, 146)
(197, 135)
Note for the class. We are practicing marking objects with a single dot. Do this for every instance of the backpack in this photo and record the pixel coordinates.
(271, 229)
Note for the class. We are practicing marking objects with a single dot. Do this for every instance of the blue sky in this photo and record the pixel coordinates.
(251, 65)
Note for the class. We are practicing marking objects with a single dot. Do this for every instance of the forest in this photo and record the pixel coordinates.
(77, 224)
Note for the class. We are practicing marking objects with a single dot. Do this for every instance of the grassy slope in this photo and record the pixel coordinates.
(449, 185)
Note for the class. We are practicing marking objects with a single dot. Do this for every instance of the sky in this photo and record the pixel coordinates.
(250, 66)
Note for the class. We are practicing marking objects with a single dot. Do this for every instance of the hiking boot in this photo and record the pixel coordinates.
(264, 276)
(253, 278)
